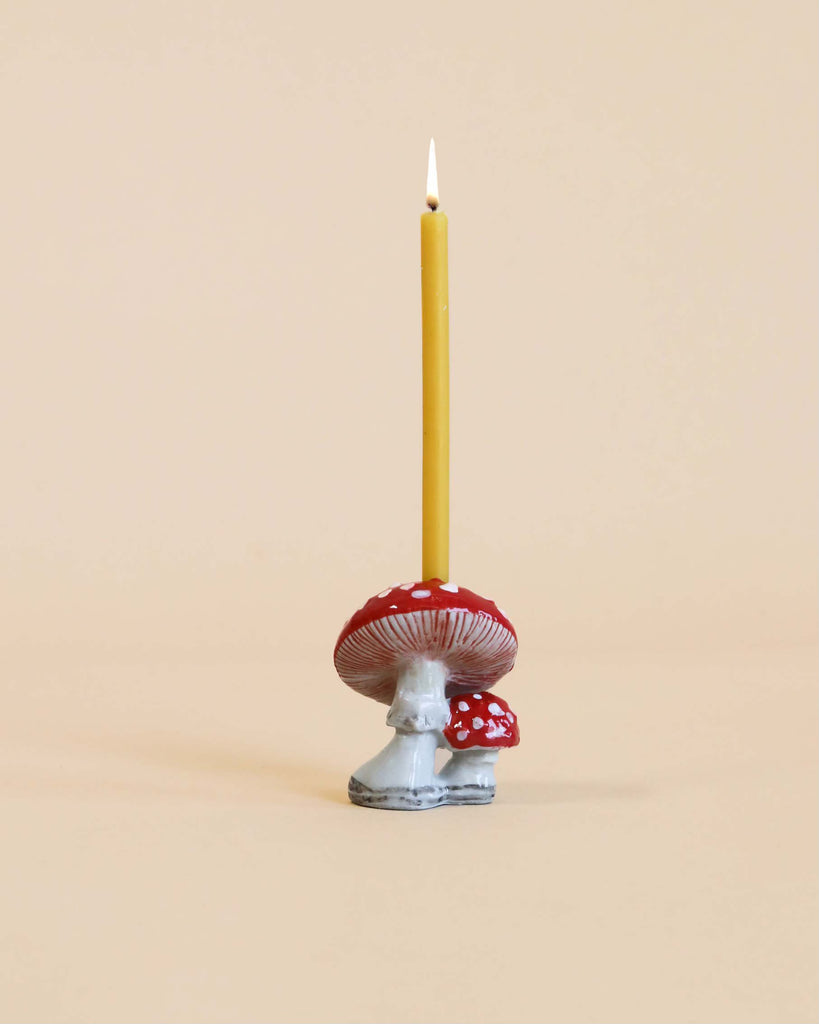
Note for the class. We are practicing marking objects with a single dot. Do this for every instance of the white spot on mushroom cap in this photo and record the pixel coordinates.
(420, 593)
(451, 588)
(407, 586)
(462, 734)
(384, 593)
(494, 730)
(393, 606)
(511, 717)
(495, 709)
(463, 706)
(477, 696)
(477, 723)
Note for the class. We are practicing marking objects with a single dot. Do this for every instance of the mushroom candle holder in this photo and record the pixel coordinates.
(430, 649)
(427, 650)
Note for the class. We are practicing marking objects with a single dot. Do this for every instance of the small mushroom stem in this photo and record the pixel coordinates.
(473, 767)
(418, 713)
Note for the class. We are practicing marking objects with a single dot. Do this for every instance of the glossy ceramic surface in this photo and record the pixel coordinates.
(429, 650)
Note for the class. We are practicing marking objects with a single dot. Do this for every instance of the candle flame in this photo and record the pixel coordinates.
(432, 178)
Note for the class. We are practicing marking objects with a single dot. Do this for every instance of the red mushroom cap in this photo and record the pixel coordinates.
(481, 720)
(431, 619)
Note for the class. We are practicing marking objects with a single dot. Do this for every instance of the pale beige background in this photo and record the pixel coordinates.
(210, 457)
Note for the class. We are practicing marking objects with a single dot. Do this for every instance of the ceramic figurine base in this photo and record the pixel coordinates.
(430, 650)
(396, 799)
(470, 794)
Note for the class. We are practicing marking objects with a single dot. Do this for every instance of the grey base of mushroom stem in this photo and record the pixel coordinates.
(396, 798)
(470, 794)
(467, 778)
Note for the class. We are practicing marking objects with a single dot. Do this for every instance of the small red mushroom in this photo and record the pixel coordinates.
(481, 720)
(480, 726)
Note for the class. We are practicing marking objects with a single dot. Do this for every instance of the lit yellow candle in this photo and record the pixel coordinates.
(435, 328)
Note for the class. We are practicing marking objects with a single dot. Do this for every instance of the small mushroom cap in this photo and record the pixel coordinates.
(440, 621)
(481, 720)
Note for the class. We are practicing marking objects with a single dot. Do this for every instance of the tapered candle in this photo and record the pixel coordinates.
(435, 330)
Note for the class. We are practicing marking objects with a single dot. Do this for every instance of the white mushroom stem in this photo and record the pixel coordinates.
(418, 713)
(473, 767)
